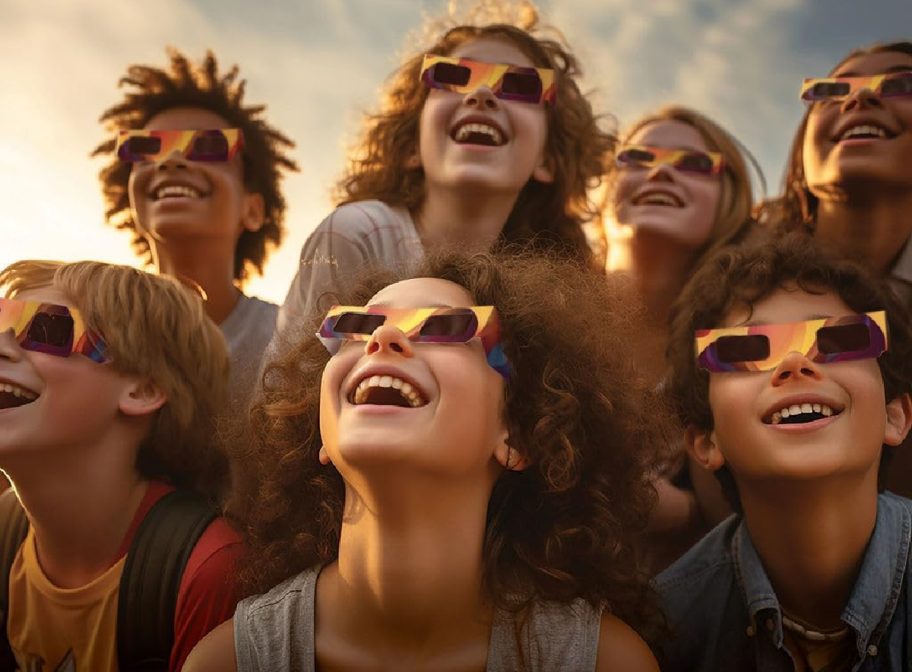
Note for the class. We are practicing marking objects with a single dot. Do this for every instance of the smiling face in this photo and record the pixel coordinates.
(803, 420)
(864, 141)
(176, 198)
(663, 200)
(49, 401)
(426, 407)
(478, 140)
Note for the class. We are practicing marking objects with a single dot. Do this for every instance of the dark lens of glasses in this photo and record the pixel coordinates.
(900, 85)
(749, 348)
(523, 84)
(634, 156)
(823, 90)
(695, 162)
(449, 326)
(843, 338)
(138, 146)
(212, 146)
(55, 331)
(450, 73)
(358, 323)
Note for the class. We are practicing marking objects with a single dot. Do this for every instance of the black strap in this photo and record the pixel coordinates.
(13, 528)
(151, 578)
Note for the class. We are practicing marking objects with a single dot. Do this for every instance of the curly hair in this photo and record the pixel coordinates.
(797, 207)
(744, 275)
(578, 150)
(733, 221)
(157, 329)
(561, 529)
(154, 90)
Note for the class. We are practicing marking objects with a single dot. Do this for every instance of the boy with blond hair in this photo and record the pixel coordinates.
(792, 372)
(109, 382)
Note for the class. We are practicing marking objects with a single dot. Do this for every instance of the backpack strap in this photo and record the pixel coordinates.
(13, 528)
(151, 579)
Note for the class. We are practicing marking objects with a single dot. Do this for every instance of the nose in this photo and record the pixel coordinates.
(174, 160)
(861, 99)
(660, 173)
(388, 338)
(482, 98)
(795, 366)
(9, 347)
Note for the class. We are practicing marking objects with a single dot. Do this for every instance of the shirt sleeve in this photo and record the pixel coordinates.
(208, 592)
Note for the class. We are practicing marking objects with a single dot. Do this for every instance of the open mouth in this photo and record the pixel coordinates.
(660, 198)
(474, 133)
(166, 191)
(387, 391)
(801, 414)
(13, 396)
(865, 132)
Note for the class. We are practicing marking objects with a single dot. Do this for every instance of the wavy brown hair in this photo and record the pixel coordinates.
(577, 149)
(797, 207)
(561, 529)
(182, 84)
(155, 329)
(742, 276)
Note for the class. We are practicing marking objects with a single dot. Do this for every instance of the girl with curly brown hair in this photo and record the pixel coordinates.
(456, 487)
(483, 137)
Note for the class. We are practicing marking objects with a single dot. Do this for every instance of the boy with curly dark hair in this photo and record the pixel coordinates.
(195, 175)
(792, 371)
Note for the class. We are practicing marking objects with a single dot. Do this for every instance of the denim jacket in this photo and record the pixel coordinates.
(725, 615)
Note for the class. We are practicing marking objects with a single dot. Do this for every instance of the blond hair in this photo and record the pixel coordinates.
(155, 329)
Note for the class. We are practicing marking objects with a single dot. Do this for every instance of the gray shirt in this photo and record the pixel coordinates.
(275, 631)
(247, 331)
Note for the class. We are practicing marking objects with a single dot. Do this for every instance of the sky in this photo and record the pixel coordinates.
(319, 65)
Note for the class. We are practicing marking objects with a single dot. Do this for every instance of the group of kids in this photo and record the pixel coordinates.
(460, 444)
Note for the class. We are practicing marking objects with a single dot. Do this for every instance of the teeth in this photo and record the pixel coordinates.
(176, 190)
(864, 130)
(17, 391)
(796, 409)
(464, 131)
(656, 198)
(410, 393)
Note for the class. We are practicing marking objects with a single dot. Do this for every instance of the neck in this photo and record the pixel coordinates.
(871, 228)
(80, 503)
(201, 261)
(463, 219)
(812, 538)
(400, 580)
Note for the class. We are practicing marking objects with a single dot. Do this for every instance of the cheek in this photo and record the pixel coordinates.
(138, 184)
(624, 187)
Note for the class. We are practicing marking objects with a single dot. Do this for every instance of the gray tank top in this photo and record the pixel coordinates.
(275, 631)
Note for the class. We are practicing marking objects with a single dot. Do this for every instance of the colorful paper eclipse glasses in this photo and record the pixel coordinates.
(420, 325)
(688, 160)
(51, 329)
(218, 144)
(507, 82)
(763, 347)
(840, 88)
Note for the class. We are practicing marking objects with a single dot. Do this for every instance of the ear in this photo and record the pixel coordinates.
(323, 456)
(254, 214)
(701, 446)
(899, 420)
(141, 397)
(413, 161)
(543, 172)
(508, 456)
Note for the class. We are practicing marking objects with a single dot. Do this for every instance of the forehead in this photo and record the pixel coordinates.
(493, 50)
(789, 304)
(669, 133)
(423, 293)
(874, 64)
(186, 119)
(46, 294)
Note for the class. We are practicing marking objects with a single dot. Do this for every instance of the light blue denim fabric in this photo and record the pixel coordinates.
(726, 616)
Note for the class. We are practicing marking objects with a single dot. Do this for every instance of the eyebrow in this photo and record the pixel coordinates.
(761, 323)
(387, 304)
(903, 67)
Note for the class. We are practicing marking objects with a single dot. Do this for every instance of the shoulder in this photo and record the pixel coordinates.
(215, 652)
(706, 561)
(367, 224)
(287, 599)
(215, 551)
(620, 649)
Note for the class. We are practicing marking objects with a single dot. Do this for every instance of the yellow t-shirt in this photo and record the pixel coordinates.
(55, 629)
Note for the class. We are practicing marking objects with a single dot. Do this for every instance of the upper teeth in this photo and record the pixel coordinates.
(406, 389)
(798, 409)
(17, 391)
(463, 132)
(176, 190)
(864, 129)
(657, 198)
